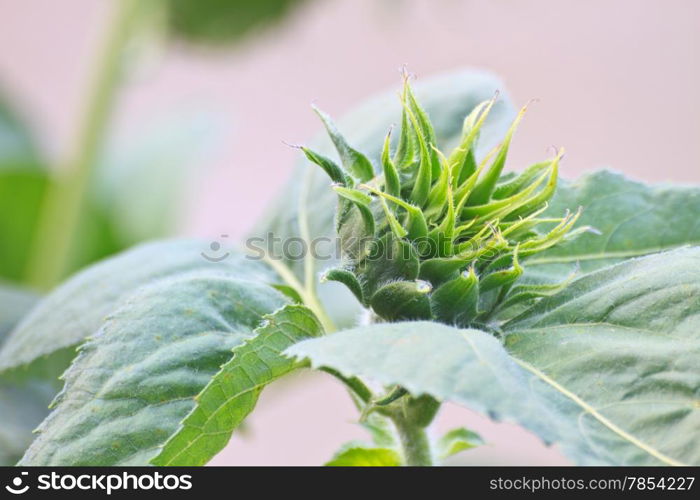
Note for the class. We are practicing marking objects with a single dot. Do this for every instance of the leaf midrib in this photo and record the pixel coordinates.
(564, 259)
(586, 408)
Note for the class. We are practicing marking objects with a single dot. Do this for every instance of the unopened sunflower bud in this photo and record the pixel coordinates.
(454, 222)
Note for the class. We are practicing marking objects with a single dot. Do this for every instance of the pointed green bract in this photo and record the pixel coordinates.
(424, 128)
(336, 173)
(361, 202)
(389, 259)
(458, 211)
(484, 189)
(456, 301)
(353, 161)
(402, 300)
(392, 183)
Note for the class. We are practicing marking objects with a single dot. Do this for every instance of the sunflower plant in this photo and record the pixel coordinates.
(571, 308)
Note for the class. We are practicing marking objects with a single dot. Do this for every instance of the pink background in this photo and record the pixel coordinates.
(617, 83)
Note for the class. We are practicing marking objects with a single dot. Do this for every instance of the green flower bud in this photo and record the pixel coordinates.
(440, 237)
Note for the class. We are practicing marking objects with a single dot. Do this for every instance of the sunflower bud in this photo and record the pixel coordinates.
(435, 236)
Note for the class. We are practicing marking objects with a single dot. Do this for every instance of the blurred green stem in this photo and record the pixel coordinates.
(414, 441)
(60, 217)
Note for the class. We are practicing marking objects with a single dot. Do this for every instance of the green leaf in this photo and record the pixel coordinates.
(358, 455)
(623, 344)
(136, 379)
(77, 308)
(447, 98)
(633, 219)
(233, 392)
(214, 22)
(21, 194)
(456, 441)
(468, 367)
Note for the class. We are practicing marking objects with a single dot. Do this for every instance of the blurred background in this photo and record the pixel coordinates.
(188, 139)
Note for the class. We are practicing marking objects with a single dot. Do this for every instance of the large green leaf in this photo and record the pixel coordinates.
(468, 367)
(609, 367)
(309, 200)
(77, 308)
(21, 194)
(136, 379)
(623, 343)
(223, 21)
(633, 219)
(233, 392)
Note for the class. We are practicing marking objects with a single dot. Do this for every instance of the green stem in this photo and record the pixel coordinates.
(63, 205)
(353, 383)
(414, 441)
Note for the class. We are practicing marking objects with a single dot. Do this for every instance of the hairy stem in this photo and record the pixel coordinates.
(414, 441)
(63, 205)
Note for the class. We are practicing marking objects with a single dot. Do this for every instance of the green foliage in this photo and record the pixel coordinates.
(136, 379)
(468, 367)
(624, 342)
(457, 441)
(607, 367)
(469, 278)
(223, 21)
(358, 455)
(233, 392)
(631, 219)
(77, 309)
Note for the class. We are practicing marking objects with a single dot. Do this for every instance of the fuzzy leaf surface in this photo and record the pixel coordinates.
(233, 392)
(134, 382)
(623, 343)
(634, 219)
(79, 306)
